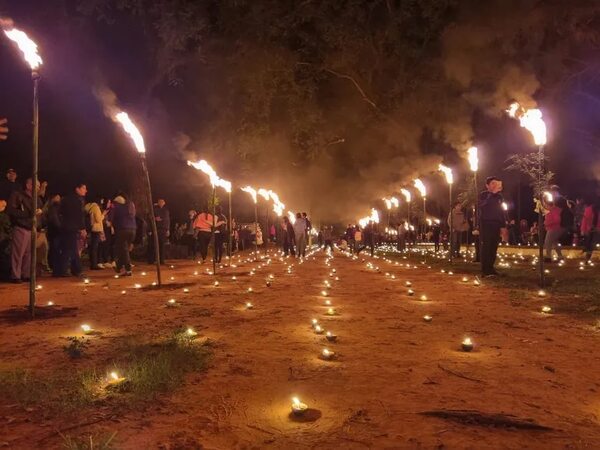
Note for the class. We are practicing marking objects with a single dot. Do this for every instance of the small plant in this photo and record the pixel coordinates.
(102, 442)
(77, 347)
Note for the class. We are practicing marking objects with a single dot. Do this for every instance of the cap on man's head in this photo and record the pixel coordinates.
(488, 180)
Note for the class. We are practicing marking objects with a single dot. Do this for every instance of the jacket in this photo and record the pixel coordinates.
(203, 222)
(122, 214)
(300, 227)
(164, 224)
(20, 209)
(96, 217)
(490, 208)
(72, 213)
(552, 219)
(459, 223)
(53, 219)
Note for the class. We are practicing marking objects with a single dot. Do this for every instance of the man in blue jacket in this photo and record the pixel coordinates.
(492, 219)
(72, 230)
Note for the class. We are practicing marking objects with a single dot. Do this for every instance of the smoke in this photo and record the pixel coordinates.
(108, 99)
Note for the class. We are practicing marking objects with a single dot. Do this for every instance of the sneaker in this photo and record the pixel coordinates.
(100, 266)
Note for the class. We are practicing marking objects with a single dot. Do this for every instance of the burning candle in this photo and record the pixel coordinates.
(137, 286)
(216, 283)
(467, 345)
(318, 329)
(314, 322)
(250, 290)
(86, 281)
(476, 282)
(298, 408)
(172, 278)
(423, 298)
(116, 277)
(331, 337)
(465, 279)
(186, 290)
(324, 293)
(541, 293)
(546, 310)
(123, 292)
(234, 278)
(171, 303)
(249, 305)
(38, 287)
(407, 283)
(86, 328)
(268, 283)
(328, 302)
(143, 274)
(427, 318)
(190, 332)
(50, 303)
(410, 292)
(327, 354)
(114, 379)
(331, 312)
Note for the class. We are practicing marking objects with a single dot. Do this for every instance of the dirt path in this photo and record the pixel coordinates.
(390, 365)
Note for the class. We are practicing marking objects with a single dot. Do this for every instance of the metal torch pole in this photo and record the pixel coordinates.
(540, 221)
(451, 225)
(212, 229)
(408, 222)
(256, 230)
(477, 237)
(266, 233)
(230, 230)
(34, 195)
(152, 219)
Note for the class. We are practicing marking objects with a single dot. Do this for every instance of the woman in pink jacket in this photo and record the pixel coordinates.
(554, 230)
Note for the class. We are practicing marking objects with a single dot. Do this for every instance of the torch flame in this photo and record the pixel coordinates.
(132, 131)
(473, 159)
(447, 173)
(292, 217)
(388, 203)
(548, 196)
(278, 206)
(531, 120)
(250, 190)
(203, 166)
(374, 215)
(406, 194)
(26, 45)
(395, 201)
(421, 187)
(264, 193)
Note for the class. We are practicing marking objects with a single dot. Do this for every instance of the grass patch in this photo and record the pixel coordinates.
(149, 369)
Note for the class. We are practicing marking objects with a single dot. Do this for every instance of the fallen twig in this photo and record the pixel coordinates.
(460, 375)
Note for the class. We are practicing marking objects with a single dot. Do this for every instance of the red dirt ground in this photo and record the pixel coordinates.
(390, 364)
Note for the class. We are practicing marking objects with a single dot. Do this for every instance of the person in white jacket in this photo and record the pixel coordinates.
(96, 219)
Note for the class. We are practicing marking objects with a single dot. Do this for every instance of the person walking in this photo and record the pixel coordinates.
(492, 220)
(72, 230)
(328, 237)
(554, 230)
(122, 217)
(96, 230)
(163, 230)
(20, 211)
(300, 234)
(289, 237)
(203, 225)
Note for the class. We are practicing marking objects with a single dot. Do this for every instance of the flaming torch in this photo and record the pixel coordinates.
(472, 156)
(450, 180)
(32, 57)
(265, 194)
(215, 182)
(532, 121)
(423, 191)
(138, 141)
(278, 206)
(250, 190)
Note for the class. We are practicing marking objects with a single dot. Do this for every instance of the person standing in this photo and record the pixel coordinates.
(492, 220)
(163, 230)
(5, 235)
(203, 225)
(220, 233)
(190, 235)
(459, 226)
(300, 234)
(590, 227)
(53, 232)
(96, 229)
(308, 239)
(72, 230)
(328, 238)
(20, 210)
(9, 185)
(289, 237)
(122, 218)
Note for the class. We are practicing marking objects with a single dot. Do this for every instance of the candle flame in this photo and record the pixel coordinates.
(407, 194)
(473, 159)
(132, 131)
(296, 401)
(421, 187)
(26, 45)
(250, 190)
(114, 376)
(531, 120)
(447, 173)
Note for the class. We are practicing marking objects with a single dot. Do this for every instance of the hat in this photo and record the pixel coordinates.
(11, 171)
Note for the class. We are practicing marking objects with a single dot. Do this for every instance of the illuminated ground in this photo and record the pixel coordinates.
(391, 365)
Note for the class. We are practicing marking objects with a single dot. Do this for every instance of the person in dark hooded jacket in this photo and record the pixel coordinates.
(122, 217)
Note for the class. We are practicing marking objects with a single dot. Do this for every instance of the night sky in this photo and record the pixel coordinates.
(198, 109)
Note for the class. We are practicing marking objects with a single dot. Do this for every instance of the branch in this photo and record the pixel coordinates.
(356, 85)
